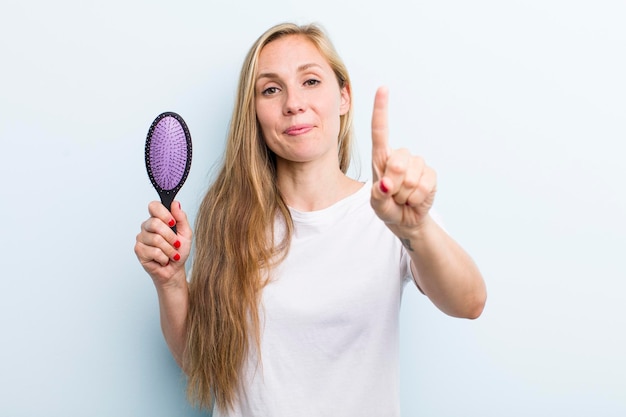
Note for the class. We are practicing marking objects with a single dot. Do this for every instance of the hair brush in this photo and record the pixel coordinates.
(168, 156)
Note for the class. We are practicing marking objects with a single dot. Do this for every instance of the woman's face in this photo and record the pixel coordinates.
(299, 101)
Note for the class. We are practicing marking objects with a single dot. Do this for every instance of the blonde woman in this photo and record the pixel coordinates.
(293, 300)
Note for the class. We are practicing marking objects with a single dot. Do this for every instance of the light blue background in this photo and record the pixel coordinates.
(519, 105)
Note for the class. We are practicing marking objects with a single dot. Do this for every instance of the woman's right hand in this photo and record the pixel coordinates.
(161, 252)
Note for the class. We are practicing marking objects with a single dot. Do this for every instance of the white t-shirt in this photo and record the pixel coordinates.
(330, 320)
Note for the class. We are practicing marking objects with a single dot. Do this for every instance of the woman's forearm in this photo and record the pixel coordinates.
(173, 307)
(444, 271)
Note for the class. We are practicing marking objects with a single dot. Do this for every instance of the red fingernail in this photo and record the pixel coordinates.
(177, 243)
(172, 222)
(382, 187)
(177, 257)
(179, 206)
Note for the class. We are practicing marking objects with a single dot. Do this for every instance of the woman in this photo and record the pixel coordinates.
(292, 305)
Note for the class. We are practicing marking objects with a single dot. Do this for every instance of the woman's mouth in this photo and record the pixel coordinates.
(298, 130)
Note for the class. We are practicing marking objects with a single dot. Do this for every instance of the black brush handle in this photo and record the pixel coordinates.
(167, 198)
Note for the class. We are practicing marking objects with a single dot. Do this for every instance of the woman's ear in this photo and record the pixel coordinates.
(346, 98)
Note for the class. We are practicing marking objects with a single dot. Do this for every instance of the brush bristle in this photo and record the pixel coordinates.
(168, 153)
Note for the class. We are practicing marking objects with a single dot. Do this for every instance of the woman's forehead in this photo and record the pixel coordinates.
(290, 52)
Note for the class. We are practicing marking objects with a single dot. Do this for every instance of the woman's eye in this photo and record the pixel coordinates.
(269, 91)
(312, 81)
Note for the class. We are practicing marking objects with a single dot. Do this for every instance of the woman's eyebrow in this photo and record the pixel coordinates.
(301, 68)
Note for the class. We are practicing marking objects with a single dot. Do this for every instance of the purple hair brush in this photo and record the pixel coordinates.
(168, 156)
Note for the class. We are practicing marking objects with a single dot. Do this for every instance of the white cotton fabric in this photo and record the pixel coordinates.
(330, 320)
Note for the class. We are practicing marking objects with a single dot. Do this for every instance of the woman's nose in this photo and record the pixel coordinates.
(294, 102)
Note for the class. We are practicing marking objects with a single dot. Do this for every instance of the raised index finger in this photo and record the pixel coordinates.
(380, 133)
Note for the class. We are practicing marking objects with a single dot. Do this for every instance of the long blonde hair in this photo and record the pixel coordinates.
(235, 246)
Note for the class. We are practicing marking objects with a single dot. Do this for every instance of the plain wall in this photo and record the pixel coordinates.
(519, 106)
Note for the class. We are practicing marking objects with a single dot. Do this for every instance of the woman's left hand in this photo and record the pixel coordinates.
(404, 186)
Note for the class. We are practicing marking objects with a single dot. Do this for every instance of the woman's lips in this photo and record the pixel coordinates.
(298, 130)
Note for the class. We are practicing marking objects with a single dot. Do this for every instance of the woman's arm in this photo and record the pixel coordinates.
(403, 192)
(173, 309)
(163, 253)
(443, 270)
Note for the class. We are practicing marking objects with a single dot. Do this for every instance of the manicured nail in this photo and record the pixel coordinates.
(383, 188)
(177, 257)
(172, 222)
(177, 243)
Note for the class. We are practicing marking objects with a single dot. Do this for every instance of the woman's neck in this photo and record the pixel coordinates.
(308, 188)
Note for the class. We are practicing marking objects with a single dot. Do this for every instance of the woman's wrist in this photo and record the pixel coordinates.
(412, 236)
